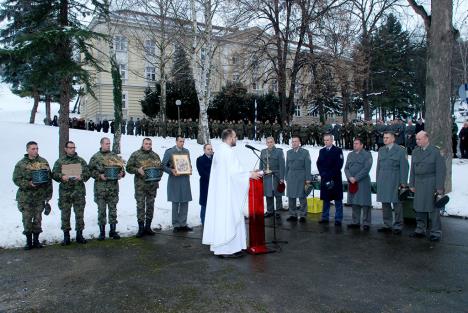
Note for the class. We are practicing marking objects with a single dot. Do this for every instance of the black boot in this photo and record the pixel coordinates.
(36, 242)
(66, 238)
(79, 237)
(102, 232)
(29, 244)
(113, 233)
(141, 230)
(148, 229)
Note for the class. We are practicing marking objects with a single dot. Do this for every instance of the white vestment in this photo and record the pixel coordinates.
(224, 228)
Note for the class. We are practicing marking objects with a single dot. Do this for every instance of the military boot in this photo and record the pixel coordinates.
(141, 230)
(102, 232)
(113, 233)
(79, 237)
(66, 238)
(36, 242)
(29, 244)
(148, 229)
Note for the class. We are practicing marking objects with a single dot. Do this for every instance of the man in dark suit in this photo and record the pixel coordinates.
(329, 164)
(204, 169)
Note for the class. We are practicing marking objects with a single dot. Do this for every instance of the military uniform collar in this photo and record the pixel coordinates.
(26, 156)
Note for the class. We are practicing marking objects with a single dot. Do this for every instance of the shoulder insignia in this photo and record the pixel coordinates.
(438, 147)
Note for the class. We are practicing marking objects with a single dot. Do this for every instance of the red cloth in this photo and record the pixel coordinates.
(353, 187)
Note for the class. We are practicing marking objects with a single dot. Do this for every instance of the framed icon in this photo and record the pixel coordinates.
(181, 164)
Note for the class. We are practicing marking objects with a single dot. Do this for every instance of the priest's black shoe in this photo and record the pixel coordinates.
(396, 231)
(268, 214)
(302, 219)
(353, 226)
(338, 223)
(232, 256)
(417, 235)
(323, 221)
(366, 227)
(434, 238)
(292, 219)
(384, 230)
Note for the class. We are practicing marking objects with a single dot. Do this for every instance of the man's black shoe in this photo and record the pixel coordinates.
(268, 214)
(338, 223)
(277, 215)
(323, 221)
(434, 238)
(384, 230)
(292, 219)
(354, 226)
(176, 229)
(302, 219)
(366, 227)
(186, 228)
(417, 235)
(396, 231)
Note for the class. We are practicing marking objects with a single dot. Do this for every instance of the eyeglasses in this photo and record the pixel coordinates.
(71, 147)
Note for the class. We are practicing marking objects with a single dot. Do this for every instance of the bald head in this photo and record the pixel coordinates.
(422, 139)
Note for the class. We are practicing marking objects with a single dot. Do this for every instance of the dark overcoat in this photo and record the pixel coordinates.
(204, 169)
(329, 164)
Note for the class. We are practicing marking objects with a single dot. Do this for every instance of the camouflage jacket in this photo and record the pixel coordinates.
(97, 166)
(22, 176)
(71, 185)
(142, 158)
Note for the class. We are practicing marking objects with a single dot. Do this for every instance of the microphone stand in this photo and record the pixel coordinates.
(275, 240)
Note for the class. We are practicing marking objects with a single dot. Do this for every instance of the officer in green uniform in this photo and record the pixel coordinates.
(145, 186)
(31, 197)
(72, 190)
(106, 188)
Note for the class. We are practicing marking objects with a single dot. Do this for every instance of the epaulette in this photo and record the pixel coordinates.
(438, 147)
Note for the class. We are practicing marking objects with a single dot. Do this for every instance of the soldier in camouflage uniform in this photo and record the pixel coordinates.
(170, 128)
(267, 131)
(312, 133)
(144, 127)
(276, 129)
(249, 128)
(214, 128)
(286, 133)
(240, 130)
(72, 192)
(304, 135)
(31, 197)
(106, 190)
(145, 189)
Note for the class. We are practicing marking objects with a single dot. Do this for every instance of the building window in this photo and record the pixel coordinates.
(150, 48)
(124, 100)
(120, 43)
(255, 86)
(150, 73)
(123, 71)
(234, 60)
(202, 56)
(297, 110)
(235, 77)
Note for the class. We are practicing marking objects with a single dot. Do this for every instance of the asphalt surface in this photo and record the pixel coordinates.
(320, 269)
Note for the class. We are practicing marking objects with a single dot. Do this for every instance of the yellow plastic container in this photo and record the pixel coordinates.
(314, 205)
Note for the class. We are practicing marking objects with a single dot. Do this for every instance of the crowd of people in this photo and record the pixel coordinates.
(33, 176)
(371, 133)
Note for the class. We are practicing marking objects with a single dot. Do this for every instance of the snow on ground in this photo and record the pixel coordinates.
(15, 131)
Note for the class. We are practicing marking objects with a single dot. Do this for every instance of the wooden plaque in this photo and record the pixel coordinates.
(72, 170)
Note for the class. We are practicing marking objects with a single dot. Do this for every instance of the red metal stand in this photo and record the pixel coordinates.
(256, 218)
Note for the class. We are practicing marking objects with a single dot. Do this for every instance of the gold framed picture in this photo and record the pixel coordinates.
(72, 170)
(182, 164)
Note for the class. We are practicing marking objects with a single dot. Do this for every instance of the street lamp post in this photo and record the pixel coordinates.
(178, 104)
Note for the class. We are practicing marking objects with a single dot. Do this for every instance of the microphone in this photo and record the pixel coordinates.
(252, 148)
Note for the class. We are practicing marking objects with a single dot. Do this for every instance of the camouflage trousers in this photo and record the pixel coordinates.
(67, 200)
(104, 201)
(145, 195)
(32, 217)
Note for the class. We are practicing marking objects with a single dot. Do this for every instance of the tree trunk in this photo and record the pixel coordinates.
(117, 94)
(438, 78)
(32, 118)
(47, 108)
(162, 70)
(65, 83)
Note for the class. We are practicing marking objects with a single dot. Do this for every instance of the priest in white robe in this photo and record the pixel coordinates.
(224, 228)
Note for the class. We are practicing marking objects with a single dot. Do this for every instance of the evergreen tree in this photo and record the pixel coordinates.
(44, 39)
(392, 76)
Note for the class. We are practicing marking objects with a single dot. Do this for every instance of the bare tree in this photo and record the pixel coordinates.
(440, 37)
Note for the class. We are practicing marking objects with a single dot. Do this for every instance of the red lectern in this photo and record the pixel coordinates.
(256, 218)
